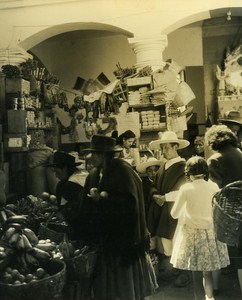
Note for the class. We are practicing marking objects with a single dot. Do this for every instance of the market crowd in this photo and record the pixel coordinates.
(149, 220)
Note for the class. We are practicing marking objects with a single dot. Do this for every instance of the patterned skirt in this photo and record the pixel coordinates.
(198, 250)
(115, 281)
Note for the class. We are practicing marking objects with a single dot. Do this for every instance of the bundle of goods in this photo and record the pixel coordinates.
(79, 258)
(227, 213)
(39, 209)
(27, 266)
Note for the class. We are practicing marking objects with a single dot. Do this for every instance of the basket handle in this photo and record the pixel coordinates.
(235, 183)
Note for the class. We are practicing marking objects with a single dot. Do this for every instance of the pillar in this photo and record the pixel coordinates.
(149, 51)
(13, 56)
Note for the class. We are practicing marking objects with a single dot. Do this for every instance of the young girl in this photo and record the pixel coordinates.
(196, 247)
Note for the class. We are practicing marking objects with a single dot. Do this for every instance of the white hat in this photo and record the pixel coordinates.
(169, 137)
(151, 161)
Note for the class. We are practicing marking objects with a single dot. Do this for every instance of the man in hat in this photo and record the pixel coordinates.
(232, 120)
(114, 218)
(168, 180)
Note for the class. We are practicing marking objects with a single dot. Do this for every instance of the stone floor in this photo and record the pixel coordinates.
(229, 290)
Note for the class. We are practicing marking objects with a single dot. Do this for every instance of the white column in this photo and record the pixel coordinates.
(13, 56)
(149, 51)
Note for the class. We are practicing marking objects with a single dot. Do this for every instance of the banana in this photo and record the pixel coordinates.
(3, 217)
(40, 254)
(9, 232)
(14, 239)
(9, 212)
(27, 243)
(46, 246)
(31, 260)
(31, 236)
(15, 225)
(17, 219)
(20, 242)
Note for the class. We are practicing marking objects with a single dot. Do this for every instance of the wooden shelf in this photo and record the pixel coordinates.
(41, 128)
(153, 129)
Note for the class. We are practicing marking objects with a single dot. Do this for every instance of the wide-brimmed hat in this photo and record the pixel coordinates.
(151, 161)
(102, 143)
(232, 116)
(169, 137)
(63, 159)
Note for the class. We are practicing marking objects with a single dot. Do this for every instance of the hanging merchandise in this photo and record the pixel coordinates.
(184, 94)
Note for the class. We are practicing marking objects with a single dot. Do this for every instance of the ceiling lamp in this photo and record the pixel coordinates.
(229, 15)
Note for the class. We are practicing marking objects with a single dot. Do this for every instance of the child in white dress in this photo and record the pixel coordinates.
(196, 248)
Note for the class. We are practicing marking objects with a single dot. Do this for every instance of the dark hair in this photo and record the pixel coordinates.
(196, 165)
(220, 136)
(128, 134)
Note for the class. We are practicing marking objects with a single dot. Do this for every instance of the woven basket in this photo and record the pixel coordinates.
(227, 213)
(51, 231)
(44, 289)
(81, 266)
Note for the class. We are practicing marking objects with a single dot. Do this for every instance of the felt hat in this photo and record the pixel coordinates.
(169, 137)
(102, 143)
(151, 161)
(63, 159)
(232, 116)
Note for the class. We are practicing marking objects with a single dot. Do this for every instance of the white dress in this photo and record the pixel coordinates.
(196, 247)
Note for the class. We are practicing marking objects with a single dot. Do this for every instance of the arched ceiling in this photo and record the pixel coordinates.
(72, 31)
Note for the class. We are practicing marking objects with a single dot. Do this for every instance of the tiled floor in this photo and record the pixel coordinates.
(229, 290)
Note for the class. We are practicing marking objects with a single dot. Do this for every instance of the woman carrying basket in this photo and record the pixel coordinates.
(225, 166)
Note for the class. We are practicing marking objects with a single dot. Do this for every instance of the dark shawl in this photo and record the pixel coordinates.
(225, 166)
(159, 220)
(118, 221)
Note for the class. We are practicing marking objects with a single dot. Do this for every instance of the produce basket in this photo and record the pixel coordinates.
(81, 266)
(227, 213)
(49, 288)
(54, 232)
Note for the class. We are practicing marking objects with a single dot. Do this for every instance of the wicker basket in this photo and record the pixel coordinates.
(52, 231)
(44, 289)
(81, 266)
(227, 213)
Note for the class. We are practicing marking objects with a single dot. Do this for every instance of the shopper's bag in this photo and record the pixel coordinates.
(227, 213)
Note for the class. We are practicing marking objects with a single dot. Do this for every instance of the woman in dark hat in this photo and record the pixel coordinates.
(69, 188)
(114, 217)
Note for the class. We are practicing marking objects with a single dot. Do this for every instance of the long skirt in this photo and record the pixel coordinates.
(198, 250)
(114, 281)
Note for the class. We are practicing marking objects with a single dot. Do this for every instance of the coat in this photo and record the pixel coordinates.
(225, 166)
(159, 220)
(118, 221)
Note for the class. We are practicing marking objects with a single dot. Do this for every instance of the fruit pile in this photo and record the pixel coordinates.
(23, 256)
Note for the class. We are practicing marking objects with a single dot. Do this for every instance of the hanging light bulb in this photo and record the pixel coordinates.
(229, 14)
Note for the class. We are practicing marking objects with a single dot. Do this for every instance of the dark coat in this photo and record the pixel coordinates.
(159, 220)
(225, 166)
(72, 193)
(117, 221)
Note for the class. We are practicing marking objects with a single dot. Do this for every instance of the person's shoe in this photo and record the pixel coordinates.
(182, 280)
(169, 275)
